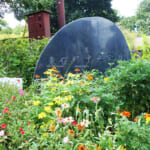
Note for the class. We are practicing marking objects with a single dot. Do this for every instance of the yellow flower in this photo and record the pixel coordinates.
(45, 134)
(106, 79)
(53, 89)
(122, 147)
(70, 75)
(64, 91)
(52, 128)
(68, 98)
(47, 72)
(47, 109)
(69, 82)
(51, 103)
(42, 126)
(55, 79)
(49, 84)
(42, 115)
(58, 100)
(36, 103)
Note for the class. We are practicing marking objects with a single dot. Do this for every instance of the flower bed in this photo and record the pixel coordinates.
(77, 112)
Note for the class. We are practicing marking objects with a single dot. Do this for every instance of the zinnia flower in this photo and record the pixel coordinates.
(126, 113)
(68, 119)
(5, 110)
(147, 117)
(71, 132)
(77, 69)
(21, 129)
(42, 115)
(36, 103)
(65, 105)
(3, 126)
(22, 132)
(74, 123)
(95, 99)
(52, 128)
(82, 147)
(21, 92)
(65, 139)
(14, 98)
(58, 112)
(106, 79)
(85, 123)
(29, 123)
(1, 132)
(80, 127)
(37, 76)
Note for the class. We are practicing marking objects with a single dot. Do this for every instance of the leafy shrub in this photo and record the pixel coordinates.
(130, 84)
(18, 58)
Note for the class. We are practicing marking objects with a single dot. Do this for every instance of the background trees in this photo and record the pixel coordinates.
(74, 9)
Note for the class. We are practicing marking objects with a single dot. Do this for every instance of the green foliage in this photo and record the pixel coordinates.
(79, 111)
(130, 37)
(6, 31)
(146, 47)
(3, 23)
(18, 57)
(143, 17)
(130, 84)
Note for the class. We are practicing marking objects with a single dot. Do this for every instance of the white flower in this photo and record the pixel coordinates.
(65, 139)
(65, 105)
(1, 132)
(68, 119)
(85, 123)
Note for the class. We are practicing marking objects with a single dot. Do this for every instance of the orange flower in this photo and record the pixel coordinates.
(60, 76)
(58, 112)
(80, 127)
(77, 69)
(82, 147)
(54, 68)
(98, 148)
(52, 128)
(79, 109)
(52, 75)
(126, 113)
(122, 147)
(136, 119)
(71, 132)
(37, 76)
(89, 77)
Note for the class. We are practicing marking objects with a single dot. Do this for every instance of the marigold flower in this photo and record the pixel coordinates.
(126, 113)
(37, 76)
(89, 77)
(42, 115)
(52, 128)
(77, 69)
(22, 132)
(122, 147)
(3, 126)
(82, 147)
(6, 110)
(95, 99)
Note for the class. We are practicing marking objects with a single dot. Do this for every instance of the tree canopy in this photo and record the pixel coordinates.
(74, 9)
(143, 16)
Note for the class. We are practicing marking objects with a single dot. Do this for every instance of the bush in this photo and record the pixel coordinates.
(19, 56)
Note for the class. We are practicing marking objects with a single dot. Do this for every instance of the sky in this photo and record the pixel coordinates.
(125, 8)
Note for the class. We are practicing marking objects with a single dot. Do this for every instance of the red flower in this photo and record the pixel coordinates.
(22, 132)
(3, 125)
(29, 123)
(126, 113)
(7, 133)
(80, 127)
(5, 110)
(21, 129)
(74, 123)
(14, 98)
(9, 113)
(18, 80)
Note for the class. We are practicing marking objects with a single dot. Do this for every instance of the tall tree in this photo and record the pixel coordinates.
(143, 16)
(74, 9)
